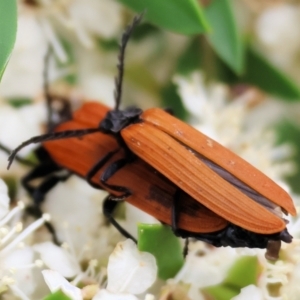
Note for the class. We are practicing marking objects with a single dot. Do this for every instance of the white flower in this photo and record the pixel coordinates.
(77, 217)
(87, 18)
(56, 281)
(95, 79)
(16, 126)
(16, 258)
(4, 199)
(249, 292)
(204, 266)
(23, 75)
(107, 295)
(280, 39)
(291, 290)
(58, 259)
(130, 271)
(92, 17)
(18, 266)
(274, 274)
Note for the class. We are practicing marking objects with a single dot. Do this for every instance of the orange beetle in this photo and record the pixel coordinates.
(208, 172)
(149, 191)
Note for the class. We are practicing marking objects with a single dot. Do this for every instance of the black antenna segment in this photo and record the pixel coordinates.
(50, 137)
(120, 66)
(46, 87)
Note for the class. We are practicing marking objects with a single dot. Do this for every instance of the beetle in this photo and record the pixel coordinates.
(197, 165)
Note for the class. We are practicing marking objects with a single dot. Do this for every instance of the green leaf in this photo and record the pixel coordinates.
(8, 30)
(12, 185)
(59, 295)
(224, 36)
(19, 102)
(182, 16)
(164, 245)
(220, 292)
(244, 272)
(191, 59)
(263, 74)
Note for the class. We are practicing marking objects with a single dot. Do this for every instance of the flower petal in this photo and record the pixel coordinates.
(248, 293)
(56, 281)
(17, 261)
(130, 270)
(107, 295)
(4, 199)
(57, 259)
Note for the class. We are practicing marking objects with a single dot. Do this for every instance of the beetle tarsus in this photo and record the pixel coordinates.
(285, 236)
(186, 248)
(35, 211)
(108, 208)
(273, 249)
(48, 170)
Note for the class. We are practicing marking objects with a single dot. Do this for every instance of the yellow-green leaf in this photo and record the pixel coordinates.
(182, 16)
(59, 295)
(164, 245)
(224, 37)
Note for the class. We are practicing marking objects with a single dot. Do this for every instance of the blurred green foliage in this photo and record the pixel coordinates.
(8, 30)
(220, 48)
(244, 272)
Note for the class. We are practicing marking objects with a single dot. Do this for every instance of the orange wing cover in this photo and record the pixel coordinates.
(151, 192)
(169, 145)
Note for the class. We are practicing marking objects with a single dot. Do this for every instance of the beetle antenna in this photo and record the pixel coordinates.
(50, 137)
(124, 40)
(19, 159)
(46, 87)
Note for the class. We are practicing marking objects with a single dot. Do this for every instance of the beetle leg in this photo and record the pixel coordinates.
(38, 193)
(186, 248)
(36, 212)
(42, 170)
(110, 202)
(109, 172)
(109, 206)
(93, 171)
(175, 217)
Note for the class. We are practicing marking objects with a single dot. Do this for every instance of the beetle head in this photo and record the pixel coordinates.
(116, 120)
